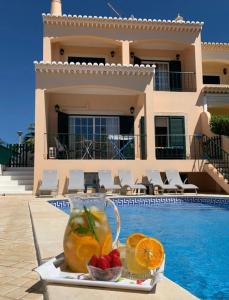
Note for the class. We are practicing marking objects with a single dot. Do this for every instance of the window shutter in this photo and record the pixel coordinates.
(126, 125)
(177, 135)
(142, 131)
(175, 75)
(63, 128)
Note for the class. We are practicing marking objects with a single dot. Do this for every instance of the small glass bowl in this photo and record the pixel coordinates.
(111, 274)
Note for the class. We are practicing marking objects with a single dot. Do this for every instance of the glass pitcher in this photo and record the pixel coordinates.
(88, 231)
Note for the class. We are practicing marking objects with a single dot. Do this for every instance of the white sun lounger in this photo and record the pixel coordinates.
(174, 178)
(49, 181)
(154, 178)
(126, 181)
(106, 181)
(76, 181)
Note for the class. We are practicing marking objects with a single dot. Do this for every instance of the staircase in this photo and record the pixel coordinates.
(218, 162)
(16, 181)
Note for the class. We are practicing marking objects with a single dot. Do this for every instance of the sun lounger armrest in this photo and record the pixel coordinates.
(185, 180)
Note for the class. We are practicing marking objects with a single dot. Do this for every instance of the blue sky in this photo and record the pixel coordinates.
(21, 43)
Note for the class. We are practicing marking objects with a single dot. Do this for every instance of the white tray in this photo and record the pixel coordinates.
(51, 272)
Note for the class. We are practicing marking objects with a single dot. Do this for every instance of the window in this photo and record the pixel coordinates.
(86, 60)
(211, 79)
(170, 137)
(88, 136)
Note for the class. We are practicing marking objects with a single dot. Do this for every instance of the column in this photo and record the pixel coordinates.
(40, 138)
(125, 52)
(47, 50)
(205, 103)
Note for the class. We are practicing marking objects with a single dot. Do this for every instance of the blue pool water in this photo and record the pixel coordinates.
(194, 232)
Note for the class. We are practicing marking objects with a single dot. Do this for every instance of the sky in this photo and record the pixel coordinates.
(21, 43)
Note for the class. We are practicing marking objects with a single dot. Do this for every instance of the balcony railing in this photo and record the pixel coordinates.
(122, 147)
(95, 146)
(178, 146)
(175, 81)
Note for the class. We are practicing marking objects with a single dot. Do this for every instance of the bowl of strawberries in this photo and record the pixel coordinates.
(105, 267)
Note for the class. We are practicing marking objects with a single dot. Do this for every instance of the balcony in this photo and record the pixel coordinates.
(93, 146)
(178, 146)
(175, 81)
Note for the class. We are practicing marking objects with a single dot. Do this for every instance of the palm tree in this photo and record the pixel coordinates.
(29, 136)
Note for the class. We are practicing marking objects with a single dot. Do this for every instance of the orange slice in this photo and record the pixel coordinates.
(149, 253)
(87, 247)
(134, 238)
(107, 245)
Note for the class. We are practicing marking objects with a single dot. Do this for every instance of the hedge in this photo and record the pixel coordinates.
(220, 124)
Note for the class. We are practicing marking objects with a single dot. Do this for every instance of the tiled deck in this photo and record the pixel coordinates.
(17, 251)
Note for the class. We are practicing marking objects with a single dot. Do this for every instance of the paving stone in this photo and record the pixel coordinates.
(17, 251)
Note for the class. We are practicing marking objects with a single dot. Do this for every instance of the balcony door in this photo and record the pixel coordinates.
(89, 136)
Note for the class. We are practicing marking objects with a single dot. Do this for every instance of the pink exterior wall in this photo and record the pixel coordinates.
(114, 94)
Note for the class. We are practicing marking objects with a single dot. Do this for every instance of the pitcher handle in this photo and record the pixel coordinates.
(118, 222)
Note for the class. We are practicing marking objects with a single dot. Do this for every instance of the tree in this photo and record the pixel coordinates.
(29, 136)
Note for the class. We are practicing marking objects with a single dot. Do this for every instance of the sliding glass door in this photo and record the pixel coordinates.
(89, 136)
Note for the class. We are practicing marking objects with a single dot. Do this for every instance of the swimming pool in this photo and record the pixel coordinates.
(195, 234)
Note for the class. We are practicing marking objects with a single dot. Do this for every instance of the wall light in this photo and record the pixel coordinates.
(61, 51)
(225, 71)
(177, 56)
(57, 108)
(132, 54)
(112, 53)
(132, 109)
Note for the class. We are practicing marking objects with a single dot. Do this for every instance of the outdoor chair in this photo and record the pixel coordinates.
(126, 181)
(154, 178)
(174, 178)
(76, 181)
(106, 181)
(62, 151)
(49, 182)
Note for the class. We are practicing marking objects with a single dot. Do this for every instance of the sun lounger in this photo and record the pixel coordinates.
(49, 181)
(174, 178)
(154, 178)
(106, 181)
(126, 181)
(76, 181)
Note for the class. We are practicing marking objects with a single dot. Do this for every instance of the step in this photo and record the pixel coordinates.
(19, 168)
(15, 178)
(8, 192)
(17, 173)
(16, 188)
(4, 182)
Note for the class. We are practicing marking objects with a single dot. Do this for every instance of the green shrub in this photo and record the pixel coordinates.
(220, 124)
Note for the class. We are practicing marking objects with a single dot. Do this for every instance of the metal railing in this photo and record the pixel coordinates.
(15, 155)
(214, 153)
(175, 81)
(178, 146)
(95, 146)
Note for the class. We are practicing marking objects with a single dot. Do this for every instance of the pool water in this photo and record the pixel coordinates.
(195, 237)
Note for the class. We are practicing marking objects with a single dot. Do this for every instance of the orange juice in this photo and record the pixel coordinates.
(88, 233)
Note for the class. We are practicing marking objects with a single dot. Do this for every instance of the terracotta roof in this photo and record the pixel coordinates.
(216, 88)
(215, 45)
(178, 25)
(117, 69)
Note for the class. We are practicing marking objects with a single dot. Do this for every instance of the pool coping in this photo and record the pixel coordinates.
(49, 224)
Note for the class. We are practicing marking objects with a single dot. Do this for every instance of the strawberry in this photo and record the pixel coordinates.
(93, 261)
(103, 263)
(116, 262)
(108, 258)
(114, 252)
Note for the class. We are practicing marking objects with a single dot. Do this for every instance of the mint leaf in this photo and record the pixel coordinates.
(91, 222)
(81, 230)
